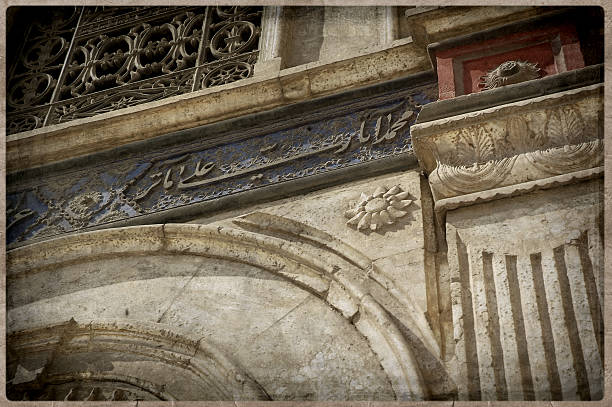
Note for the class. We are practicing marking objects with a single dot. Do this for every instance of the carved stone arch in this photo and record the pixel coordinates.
(77, 360)
(306, 258)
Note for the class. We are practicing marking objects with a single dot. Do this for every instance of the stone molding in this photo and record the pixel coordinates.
(448, 204)
(512, 144)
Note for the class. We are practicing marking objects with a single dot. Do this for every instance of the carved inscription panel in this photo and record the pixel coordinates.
(310, 143)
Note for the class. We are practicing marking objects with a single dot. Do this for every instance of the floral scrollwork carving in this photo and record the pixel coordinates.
(116, 53)
(227, 73)
(25, 121)
(44, 52)
(57, 19)
(233, 38)
(81, 208)
(31, 90)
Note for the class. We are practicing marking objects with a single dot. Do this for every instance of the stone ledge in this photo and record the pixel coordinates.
(448, 204)
(433, 127)
(512, 93)
(447, 22)
(109, 130)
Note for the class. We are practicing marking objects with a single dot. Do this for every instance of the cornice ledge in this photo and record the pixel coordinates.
(448, 204)
(421, 130)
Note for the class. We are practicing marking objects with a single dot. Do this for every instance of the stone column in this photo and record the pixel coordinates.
(519, 186)
(391, 24)
(270, 41)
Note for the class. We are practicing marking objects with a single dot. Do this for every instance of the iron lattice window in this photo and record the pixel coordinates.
(77, 62)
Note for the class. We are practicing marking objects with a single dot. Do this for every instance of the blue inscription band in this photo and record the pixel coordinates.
(313, 138)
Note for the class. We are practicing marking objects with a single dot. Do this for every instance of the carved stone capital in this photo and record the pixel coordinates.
(509, 145)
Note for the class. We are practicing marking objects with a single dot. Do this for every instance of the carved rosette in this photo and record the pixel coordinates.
(383, 207)
(507, 147)
(509, 73)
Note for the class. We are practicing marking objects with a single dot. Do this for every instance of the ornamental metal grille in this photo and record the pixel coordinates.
(78, 62)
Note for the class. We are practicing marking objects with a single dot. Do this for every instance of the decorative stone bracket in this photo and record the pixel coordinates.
(513, 148)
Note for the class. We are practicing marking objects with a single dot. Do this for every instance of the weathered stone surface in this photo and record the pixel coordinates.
(526, 281)
(257, 291)
(326, 211)
(396, 249)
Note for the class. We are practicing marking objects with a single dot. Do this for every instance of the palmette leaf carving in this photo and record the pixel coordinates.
(565, 126)
(521, 138)
(524, 146)
(474, 145)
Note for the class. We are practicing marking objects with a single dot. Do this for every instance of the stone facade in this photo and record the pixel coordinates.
(344, 216)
